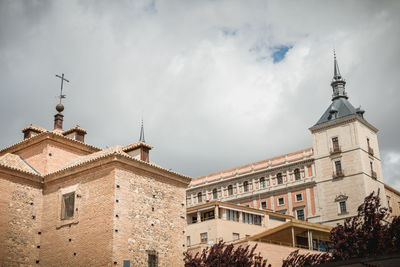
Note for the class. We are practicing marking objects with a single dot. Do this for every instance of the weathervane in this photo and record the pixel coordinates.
(60, 106)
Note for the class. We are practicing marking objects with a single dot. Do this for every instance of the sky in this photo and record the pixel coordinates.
(217, 83)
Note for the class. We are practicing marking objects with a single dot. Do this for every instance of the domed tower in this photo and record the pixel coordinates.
(347, 158)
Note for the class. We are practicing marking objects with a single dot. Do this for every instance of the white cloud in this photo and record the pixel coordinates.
(200, 72)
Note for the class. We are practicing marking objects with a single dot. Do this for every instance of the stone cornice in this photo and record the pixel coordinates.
(344, 120)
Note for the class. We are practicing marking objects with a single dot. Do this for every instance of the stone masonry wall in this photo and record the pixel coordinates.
(20, 213)
(151, 217)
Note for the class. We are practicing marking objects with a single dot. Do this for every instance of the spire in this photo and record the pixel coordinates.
(338, 83)
(141, 138)
(336, 74)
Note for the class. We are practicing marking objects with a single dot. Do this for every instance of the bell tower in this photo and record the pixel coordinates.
(347, 158)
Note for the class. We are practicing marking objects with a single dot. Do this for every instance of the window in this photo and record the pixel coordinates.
(279, 178)
(335, 144)
(297, 174)
(264, 204)
(300, 214)
(371, 166)
(342, 207)
(281, 201)
(246, 186)
(194, 219)
(203, 238)
(68, 206)
(188, 241)
(199, 197)
(152, 259)
(299, 197)
(209, 215)
(338, 167)
(235, 236)
(368, 142)
(232, 215)
(251, 218)
(262, 183)
(230, 190)
(215, 193)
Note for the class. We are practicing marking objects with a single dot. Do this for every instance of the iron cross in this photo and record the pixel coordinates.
(62, 83)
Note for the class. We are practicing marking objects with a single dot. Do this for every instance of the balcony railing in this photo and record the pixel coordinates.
(338, 174)
(335, 149)
(373, 174)
(370, 151)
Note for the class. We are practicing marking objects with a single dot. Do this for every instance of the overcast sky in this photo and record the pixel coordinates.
(218, 83)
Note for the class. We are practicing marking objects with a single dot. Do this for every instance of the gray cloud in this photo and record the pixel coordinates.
(209, 99)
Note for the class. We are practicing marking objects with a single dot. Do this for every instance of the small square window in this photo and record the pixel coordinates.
(281, 201)
(203, 238)
(264, 204)
(68, 206)
(299, 197)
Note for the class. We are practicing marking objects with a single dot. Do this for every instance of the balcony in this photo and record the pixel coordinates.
(373, 175)
(335, 150)
(370, 151)
(338, 174)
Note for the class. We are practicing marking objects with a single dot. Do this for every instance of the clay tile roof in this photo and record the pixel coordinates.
(94, 156)
(17, 163)
(34, 128)
(76, 128)
(115, 150)
(136, 145)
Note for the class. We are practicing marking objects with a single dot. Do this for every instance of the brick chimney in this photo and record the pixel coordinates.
(58, 118)
(32, 130)
(139, 150)
(76, 133)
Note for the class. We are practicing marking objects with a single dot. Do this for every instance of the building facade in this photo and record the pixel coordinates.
(322, 184)
(66, 203)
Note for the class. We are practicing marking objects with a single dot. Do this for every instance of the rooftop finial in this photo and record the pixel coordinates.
(141, 139)
(58, 118)
(338, 84)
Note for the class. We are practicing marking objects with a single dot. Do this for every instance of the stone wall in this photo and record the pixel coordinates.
(151, 217)
(20, 213)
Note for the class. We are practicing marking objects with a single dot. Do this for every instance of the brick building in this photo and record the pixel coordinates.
(66, 203)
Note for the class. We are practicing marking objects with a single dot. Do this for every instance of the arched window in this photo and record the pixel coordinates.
(246, 186)
(279, 178)
(199, 197)
(297, 174)
(215, 193)
(230, 190)
(262, 182)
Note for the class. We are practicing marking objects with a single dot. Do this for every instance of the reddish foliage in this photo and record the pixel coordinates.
(222, 255)
(367, 234)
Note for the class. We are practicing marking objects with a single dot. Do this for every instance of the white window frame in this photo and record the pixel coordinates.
(295, 197)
